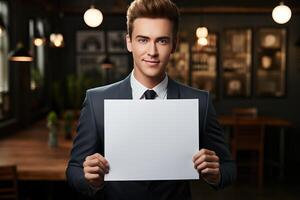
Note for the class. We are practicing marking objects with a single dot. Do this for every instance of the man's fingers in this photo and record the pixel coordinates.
(91, 176)
(206, 158)
(97, 156)
(94, 170)
(92, 163)
(207, 165)
(203, 152)
(96, 163)
(210, 171)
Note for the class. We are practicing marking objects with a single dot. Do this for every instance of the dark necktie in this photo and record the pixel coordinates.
(150, 94)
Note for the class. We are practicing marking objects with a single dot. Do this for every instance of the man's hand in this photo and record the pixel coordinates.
(206, 162)
(95, 167)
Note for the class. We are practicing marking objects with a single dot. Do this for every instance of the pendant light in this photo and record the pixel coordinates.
(202, 34)
(281, 14)
(56, 40)
(93, 17)
(20, 54)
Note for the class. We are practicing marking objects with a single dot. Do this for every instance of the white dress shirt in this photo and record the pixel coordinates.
(138, 89)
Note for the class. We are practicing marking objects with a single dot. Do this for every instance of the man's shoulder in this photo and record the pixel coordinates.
(104, 90)
(191, 92)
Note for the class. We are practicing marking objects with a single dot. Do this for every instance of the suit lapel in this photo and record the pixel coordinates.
(173, 90)
(125, 91)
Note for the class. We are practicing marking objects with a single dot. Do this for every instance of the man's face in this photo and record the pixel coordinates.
(151, 45)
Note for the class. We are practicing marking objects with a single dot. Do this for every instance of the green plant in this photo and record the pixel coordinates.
(76, 87)
(52, 119)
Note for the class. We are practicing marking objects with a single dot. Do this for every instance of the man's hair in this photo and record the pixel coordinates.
(152, 9)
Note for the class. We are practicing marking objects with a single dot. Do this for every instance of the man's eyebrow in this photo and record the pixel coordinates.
(159, 38)
(141, 36)
(164, 38)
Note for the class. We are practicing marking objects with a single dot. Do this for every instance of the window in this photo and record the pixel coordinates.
(4, 70)
(37, 68)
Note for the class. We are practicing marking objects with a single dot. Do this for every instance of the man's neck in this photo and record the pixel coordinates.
(149, 82)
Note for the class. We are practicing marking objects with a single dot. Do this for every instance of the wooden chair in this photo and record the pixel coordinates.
(8, 182)
(248, 135)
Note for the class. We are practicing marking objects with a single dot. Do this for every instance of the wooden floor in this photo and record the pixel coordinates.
(35, 160)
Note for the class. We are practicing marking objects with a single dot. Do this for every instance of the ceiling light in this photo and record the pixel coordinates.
(93, 17)
(56, 40)
(281, 14)
(202, 41)
(20, 54)
(202, 32)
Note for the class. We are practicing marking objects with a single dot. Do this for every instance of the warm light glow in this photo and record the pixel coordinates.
(33, 85)
(202, 32)
(202, 41)
(57, 43)
(21, 59)
(38, 41)
(57, 39)
(281, 14)
(93, 17)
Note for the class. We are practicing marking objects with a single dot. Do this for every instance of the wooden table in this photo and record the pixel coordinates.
(282, 124)
(35, 160)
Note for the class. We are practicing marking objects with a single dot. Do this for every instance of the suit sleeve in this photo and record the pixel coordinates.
(213, 139)
(85, 144)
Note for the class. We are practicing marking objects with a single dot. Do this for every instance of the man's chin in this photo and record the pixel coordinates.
(155, 74)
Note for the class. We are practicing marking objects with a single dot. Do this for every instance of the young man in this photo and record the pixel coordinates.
(152, 37)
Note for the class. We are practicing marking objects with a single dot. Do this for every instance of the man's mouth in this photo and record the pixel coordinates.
(151, 61)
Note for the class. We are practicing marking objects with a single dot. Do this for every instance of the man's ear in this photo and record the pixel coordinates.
(128, 43)
(175, 43)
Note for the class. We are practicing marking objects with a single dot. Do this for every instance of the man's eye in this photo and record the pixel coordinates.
(163, 41)
(142, 40)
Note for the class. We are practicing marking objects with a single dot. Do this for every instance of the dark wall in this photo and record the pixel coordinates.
(285, 107)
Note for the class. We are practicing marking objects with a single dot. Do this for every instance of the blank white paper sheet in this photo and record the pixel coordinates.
(151, 139)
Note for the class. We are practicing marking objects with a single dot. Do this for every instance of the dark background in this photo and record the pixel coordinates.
(216, 15)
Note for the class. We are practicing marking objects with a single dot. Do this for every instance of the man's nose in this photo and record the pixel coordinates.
(152, 51)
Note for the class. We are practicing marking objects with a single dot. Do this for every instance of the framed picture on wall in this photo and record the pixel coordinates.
(236, 62)
(271, 70)
(116, 41)
(88, 41)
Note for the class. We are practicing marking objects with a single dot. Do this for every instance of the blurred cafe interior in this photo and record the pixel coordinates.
(245, 53)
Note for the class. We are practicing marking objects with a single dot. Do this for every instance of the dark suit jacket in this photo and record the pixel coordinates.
(90, 139)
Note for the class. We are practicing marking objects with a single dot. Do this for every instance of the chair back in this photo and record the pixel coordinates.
(245, 112)
(247, 133)
(8, 182)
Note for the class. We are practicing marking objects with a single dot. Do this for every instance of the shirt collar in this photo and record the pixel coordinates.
(138, 88)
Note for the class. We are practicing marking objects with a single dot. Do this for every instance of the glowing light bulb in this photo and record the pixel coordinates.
(93, 17)
(281, 14)
(202, 32)
(202, 41)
